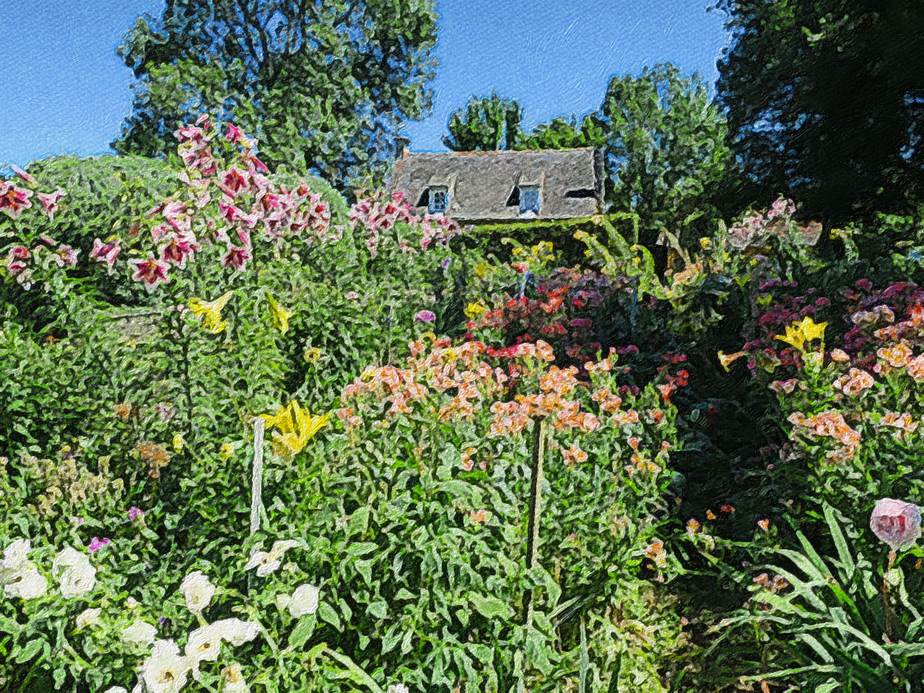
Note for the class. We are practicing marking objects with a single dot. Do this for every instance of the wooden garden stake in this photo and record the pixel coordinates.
(535, 509)
(256, 481)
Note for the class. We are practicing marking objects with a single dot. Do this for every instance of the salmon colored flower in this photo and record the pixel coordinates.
(574, 455)
(854, 382)
(897, 355)
(728, 359)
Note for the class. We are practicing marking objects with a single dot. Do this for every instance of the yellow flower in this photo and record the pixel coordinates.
(475, 309)
(178, 442)
(705, 243)
(294, 428)
(799, 333)
(728, 359)
(279, 314)
(312, 354)
(210, 312)
(481, 269)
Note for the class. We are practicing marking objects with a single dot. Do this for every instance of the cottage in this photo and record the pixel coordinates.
(499, 186)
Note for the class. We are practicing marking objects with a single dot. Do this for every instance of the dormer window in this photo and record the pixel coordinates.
(530, 199)
(438, 201)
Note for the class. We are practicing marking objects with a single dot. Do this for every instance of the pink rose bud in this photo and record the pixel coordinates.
(896, 522)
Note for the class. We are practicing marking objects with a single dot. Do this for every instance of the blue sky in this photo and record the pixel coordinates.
(66, 91)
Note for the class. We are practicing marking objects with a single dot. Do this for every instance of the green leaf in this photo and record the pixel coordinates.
(490, 607)
(328, 615)
(302, 631)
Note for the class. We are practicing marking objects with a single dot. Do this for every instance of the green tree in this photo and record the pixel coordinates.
(565, 133)
(825, 100)
(324, 86)
(666, 154)
(485, 124)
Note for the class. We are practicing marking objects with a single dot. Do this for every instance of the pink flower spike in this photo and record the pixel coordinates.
(896, 523)
(135, 513)
(26, 177)
(50, 202)
(233, 181)
(233, 133)
(151, 272)
(105, 252)
(96, 544)
(427, 316)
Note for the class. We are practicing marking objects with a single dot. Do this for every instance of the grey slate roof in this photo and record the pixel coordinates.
(483, 186)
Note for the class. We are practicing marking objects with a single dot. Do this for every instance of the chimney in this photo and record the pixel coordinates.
(402, 147)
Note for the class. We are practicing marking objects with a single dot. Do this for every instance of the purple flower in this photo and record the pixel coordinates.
(96, 544)
(135, 513)
(425, 316)
(896, 522)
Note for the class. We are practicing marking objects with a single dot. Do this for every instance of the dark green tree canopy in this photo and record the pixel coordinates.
(665, 149)
(485, 124)
(325, 86)
(566, 133)
(825, 100)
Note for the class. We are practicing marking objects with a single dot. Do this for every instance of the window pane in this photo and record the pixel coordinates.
(529, 199)
(438, 200)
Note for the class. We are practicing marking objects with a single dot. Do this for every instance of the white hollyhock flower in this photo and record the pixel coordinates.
(88, 617)
(267, 562)
(397, 688)
(198, 591)
(75, 574)
(15, 554)
(233, 679)
(116, 689)
(165, 670)
(25, 582)
(304, 600)
(139, 633)
(203, 645)
(236, 631)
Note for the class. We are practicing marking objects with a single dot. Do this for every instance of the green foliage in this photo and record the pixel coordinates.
(324, 86)
(564, 133)
(485, 124)
(804, 79)
(666, 154)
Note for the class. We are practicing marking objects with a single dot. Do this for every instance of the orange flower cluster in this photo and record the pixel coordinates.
(897, 355)
(904, 421)
(854, 382)
(829, 424)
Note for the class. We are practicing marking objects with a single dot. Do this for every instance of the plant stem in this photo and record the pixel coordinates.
(886, 607)
(535, 509)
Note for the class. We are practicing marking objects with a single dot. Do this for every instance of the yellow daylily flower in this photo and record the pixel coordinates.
(210, 312)
(481, 269)
(728, 359)
(799, 333)
(475, 309)
(312, 354)
(279, 314)
(294, 427)
(226, 451)
(178, 442)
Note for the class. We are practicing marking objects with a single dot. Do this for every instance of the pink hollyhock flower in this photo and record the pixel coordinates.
(65, 256)
(19, 252)
(151, 272)
(176, 215)
(233, 133)
(236, 257)
(896, 523)
(228, 211)
(50, 202)
(135, 513)
(427, 316)
(14, 200)
(351, 295)
(105, 252)
(189, 133)
(96, 544)
(233, 181)
(27, 177)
